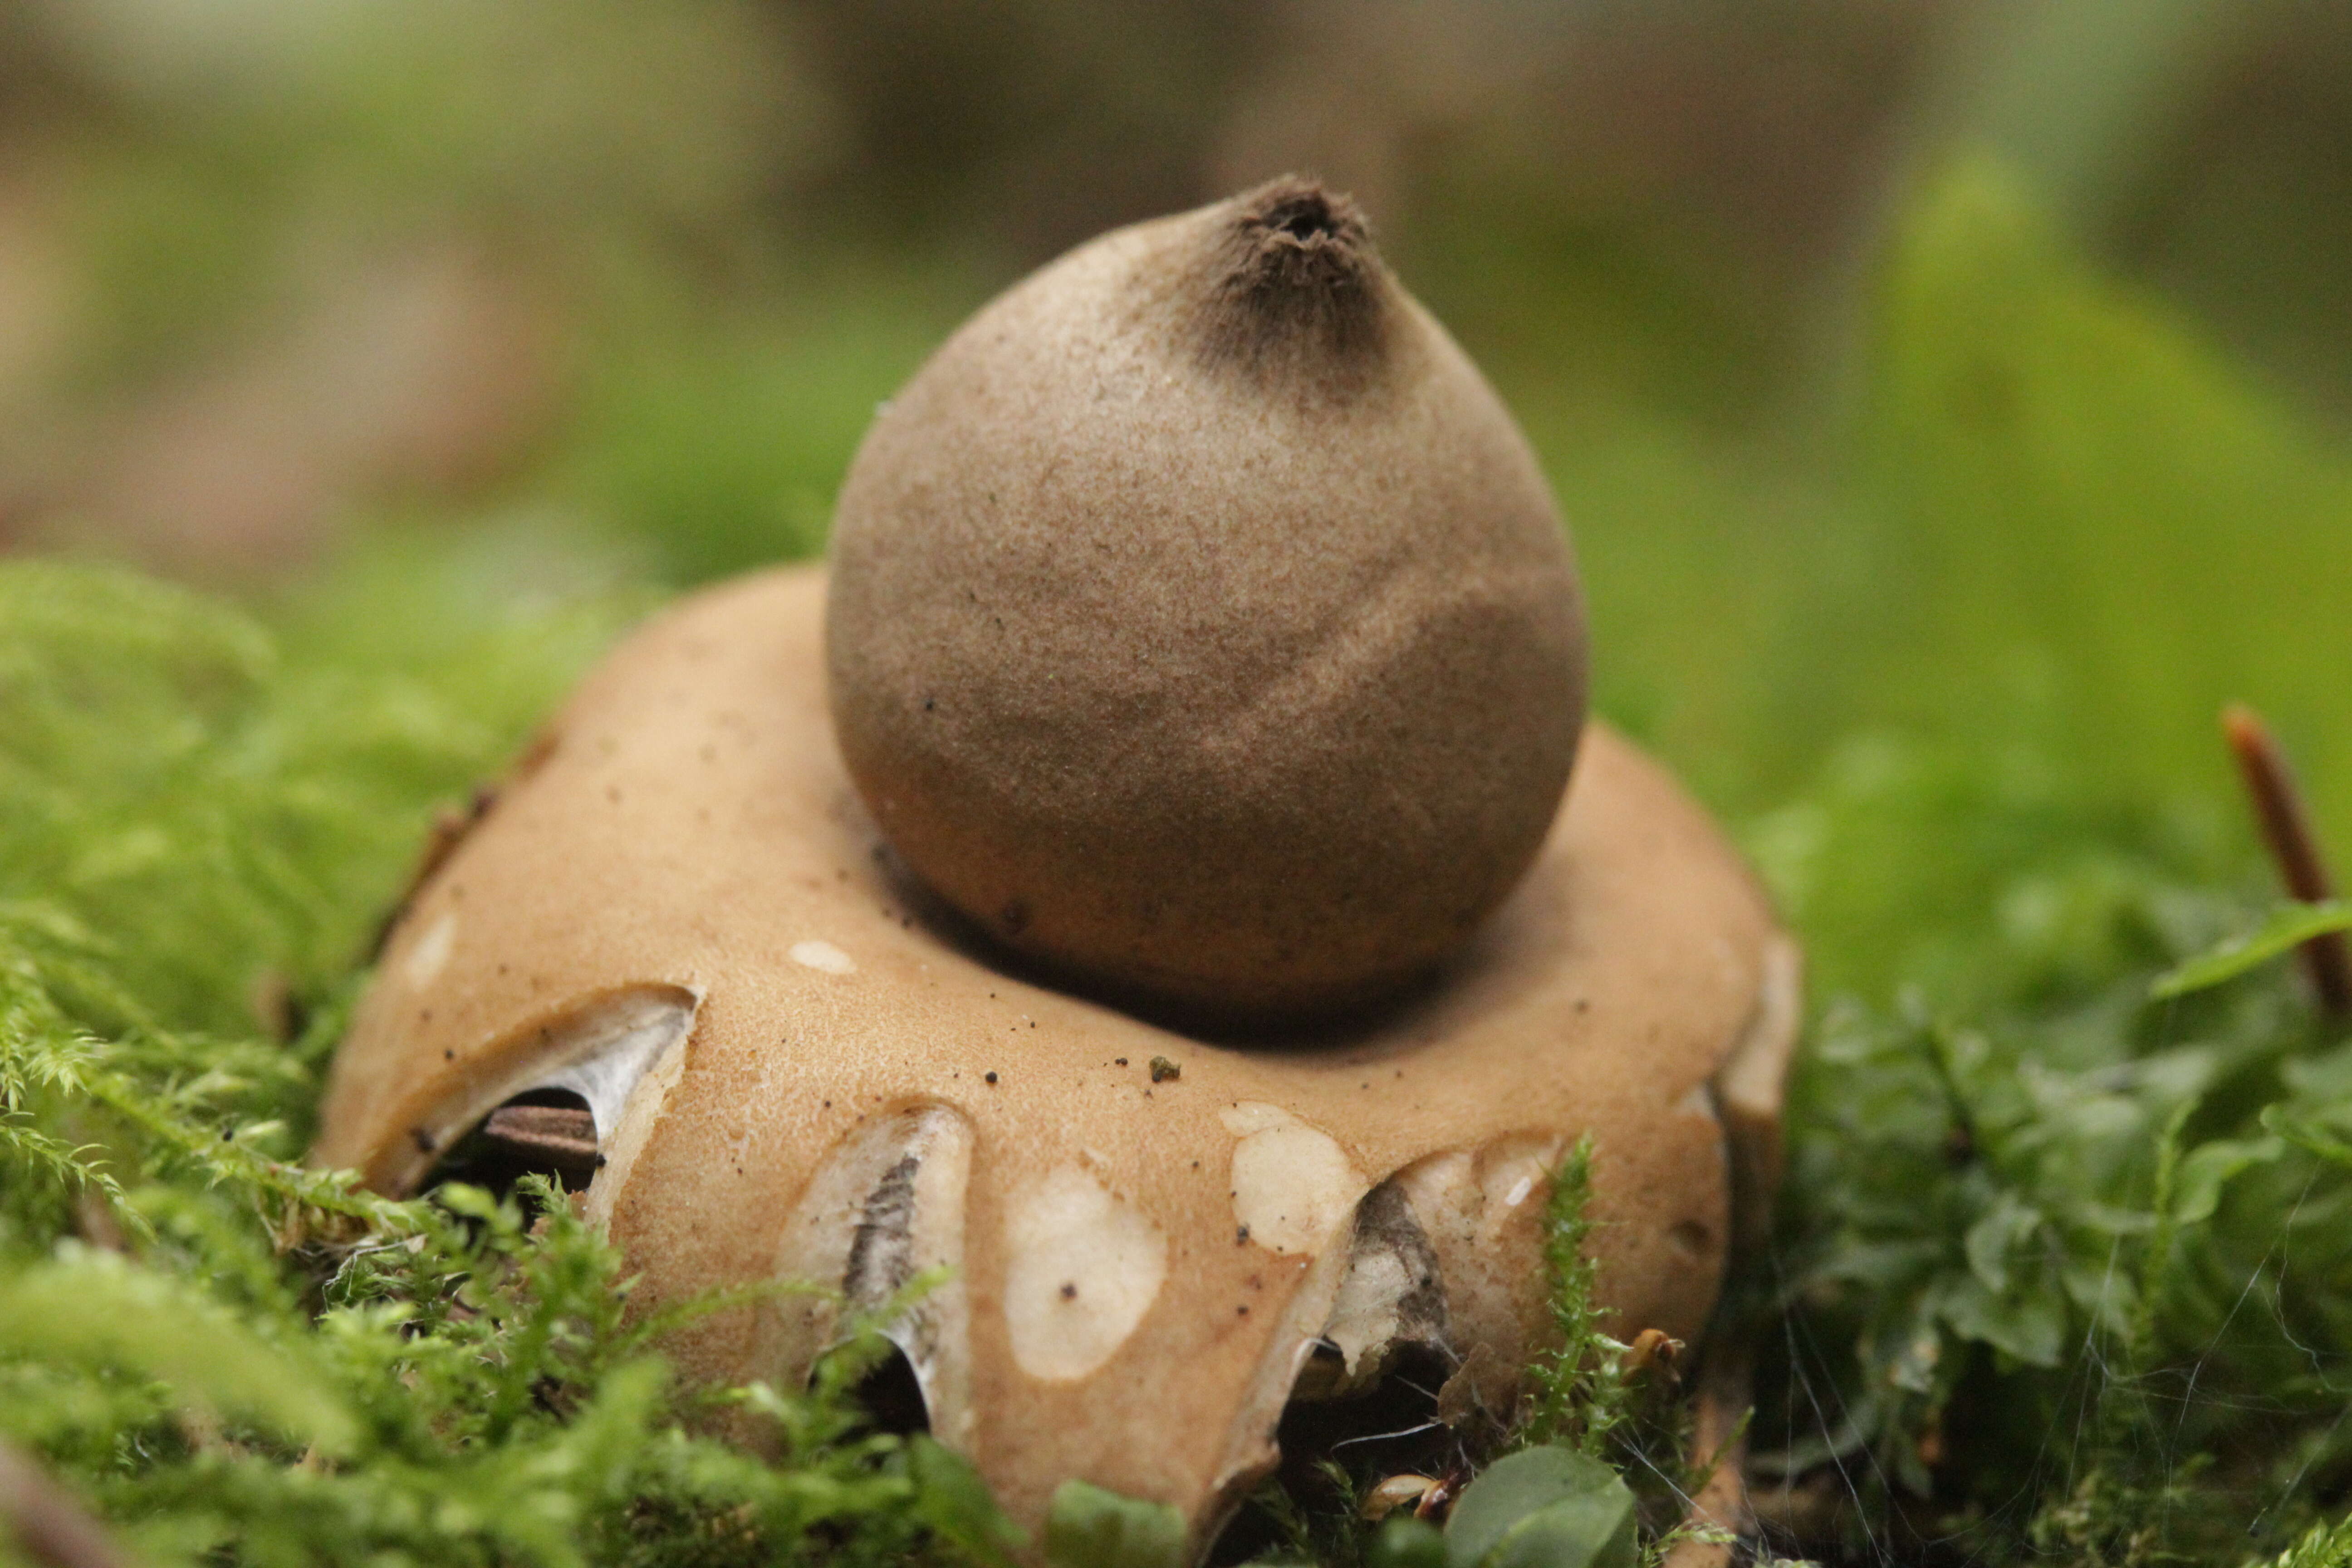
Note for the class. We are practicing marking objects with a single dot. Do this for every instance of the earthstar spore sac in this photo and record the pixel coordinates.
(679, 938)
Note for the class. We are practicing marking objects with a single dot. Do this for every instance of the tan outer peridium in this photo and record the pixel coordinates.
(690, 835)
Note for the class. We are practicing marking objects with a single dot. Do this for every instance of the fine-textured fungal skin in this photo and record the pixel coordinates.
(1201, 625)
(649, 885)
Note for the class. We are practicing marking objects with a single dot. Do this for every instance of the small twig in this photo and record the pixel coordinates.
(563, 1137)
(2286, 827)
(50, 1527)
(1719, 1513)
(94, 1222)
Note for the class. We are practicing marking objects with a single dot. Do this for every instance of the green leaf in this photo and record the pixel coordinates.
(1088, 1527)
(2207, 1169)
(1407, 1544)
(2288, 927)
(1993, 1239)
(2028, 1322)
(1543, 1508)
(1581, 1532)
(2306, 1136)
(956, 1503)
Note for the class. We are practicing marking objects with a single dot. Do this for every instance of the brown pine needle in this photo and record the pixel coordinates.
(562, 1138)
(50, 1528)
(2286, 827)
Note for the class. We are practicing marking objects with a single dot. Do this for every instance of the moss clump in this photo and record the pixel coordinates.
(231, 1357)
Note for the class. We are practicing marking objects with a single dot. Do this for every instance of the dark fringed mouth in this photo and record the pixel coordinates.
(1306, 214)
(1299, 273)
(1298, 236)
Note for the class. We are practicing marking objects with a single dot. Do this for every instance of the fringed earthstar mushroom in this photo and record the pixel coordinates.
(679, 962)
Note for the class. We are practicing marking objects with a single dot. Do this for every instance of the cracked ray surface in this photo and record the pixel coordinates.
(689, 835)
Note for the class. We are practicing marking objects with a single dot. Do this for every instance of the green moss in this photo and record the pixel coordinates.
(238, 1358)
(2062, 1267)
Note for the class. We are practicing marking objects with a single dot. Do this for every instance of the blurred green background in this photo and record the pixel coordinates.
(1971, 375)
(1951, 401)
